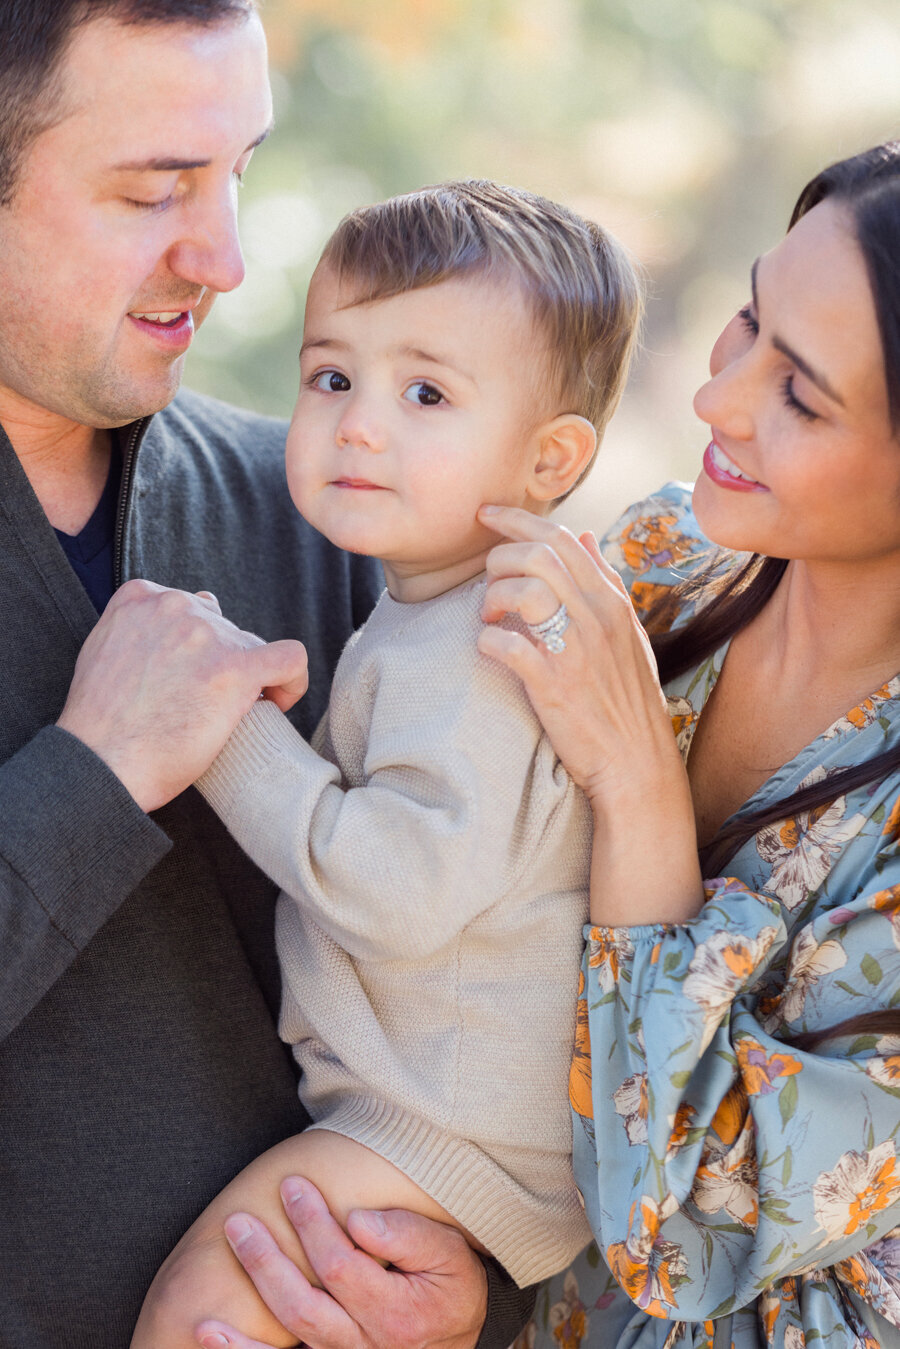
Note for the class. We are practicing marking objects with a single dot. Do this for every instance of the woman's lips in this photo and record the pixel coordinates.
(725, 473)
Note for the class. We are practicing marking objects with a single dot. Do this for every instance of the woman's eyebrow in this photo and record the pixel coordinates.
(802, 365)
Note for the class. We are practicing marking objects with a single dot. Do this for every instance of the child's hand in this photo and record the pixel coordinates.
(434, 1293)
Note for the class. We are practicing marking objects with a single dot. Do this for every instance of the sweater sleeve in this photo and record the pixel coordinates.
(710, 1151)
(73, 845)
(395, 867)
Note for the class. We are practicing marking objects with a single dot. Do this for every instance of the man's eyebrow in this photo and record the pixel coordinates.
(164, 164)
(802, 365)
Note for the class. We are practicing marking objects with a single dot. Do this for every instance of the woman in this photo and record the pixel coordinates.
(736, 1085)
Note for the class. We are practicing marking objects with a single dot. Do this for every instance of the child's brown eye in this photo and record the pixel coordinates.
(332, 381)
(424, 394)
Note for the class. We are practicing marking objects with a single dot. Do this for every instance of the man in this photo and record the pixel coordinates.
(139, 1066)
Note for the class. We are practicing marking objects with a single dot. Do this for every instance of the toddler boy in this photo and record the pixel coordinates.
(463, 345)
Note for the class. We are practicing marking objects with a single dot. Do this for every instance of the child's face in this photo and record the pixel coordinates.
(414, 411)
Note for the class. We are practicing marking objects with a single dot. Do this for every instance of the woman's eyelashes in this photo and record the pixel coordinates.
(793, 402)
(749, 322)
(790, 399)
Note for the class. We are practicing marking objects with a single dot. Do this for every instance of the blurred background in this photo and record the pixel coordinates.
(687, 127)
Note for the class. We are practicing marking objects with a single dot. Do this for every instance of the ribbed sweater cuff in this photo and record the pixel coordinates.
(260, 738)
(531, 1237)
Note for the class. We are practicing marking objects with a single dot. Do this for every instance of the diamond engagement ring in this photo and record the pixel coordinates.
(550, 632)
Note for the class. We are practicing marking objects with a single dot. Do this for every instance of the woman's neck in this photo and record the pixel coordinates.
(834, 625)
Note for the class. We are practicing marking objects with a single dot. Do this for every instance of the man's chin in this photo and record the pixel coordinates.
(120, 407)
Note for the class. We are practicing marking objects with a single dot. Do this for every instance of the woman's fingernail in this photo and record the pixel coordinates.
(489, 510)
(214, 1340)
(375, 1222)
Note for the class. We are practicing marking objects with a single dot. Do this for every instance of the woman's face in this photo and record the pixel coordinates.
(803, 461)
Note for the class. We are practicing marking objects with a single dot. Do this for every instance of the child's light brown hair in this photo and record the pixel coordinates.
(579, 282)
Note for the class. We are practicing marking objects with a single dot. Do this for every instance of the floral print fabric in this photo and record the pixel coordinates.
(743, 1192)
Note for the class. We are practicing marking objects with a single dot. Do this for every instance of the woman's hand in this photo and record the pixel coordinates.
(600, 699)
(603, 710)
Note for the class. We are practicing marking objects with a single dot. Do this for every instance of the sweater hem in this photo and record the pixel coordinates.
(531, 1236)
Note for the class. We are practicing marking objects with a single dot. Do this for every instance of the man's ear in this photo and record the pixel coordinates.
(565, 446)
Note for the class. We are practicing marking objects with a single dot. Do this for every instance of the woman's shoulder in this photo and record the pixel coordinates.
(657, 544)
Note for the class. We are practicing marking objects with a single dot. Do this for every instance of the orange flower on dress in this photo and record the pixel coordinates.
(885, 1068)
(861, 716)
(892, 823)
(729, 1119)
(728, 1178)
(648, 1267)
(720, 968)
(581, 1096)
(802, 850)
(653, 541)
(684, 721)
(681, 1124)
(759, 1071)
(568, 1318)
(861, 1185)
(646, 594)
(888, 903)
(608, 947)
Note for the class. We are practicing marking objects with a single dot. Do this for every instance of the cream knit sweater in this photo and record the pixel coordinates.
(434, 859)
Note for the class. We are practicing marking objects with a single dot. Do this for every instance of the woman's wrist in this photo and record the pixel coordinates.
(644, 864)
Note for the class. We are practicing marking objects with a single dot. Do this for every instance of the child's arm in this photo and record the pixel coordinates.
(201, 1278)
(397, 867)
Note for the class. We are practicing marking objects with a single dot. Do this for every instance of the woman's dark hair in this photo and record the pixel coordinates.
(867, 187)
(34, 39)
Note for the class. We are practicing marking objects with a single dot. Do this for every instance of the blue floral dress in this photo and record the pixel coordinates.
(743, 1192)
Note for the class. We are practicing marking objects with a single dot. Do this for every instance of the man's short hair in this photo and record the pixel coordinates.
(34, 39)
(578, 281)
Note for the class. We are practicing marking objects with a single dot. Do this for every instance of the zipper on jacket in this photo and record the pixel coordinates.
(128, 458)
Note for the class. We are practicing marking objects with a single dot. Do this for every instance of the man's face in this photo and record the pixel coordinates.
(123, 226)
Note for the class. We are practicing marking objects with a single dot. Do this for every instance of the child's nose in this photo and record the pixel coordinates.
(361, 427)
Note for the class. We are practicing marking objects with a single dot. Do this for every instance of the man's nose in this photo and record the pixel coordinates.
(208, 252)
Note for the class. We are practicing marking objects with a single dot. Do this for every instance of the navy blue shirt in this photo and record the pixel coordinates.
(92, 551)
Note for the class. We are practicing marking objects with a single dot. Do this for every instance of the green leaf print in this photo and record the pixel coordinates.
(787, 1101)
(871, 970)
(788, 1167)
(861, 1044)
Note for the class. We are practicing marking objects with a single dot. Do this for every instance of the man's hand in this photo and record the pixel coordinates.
(163, 680)
(435, 1293)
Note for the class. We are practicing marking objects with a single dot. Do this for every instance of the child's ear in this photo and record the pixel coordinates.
(565, 446)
